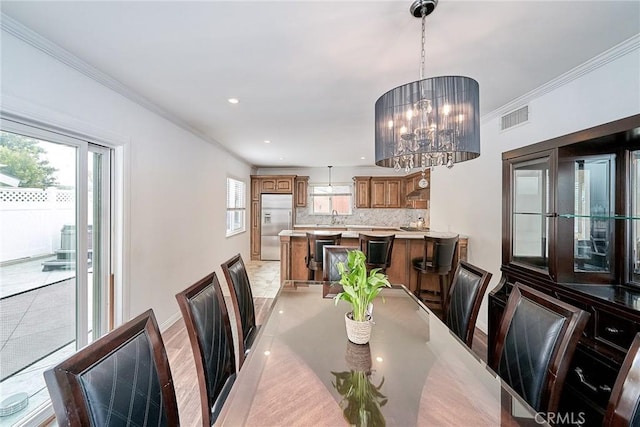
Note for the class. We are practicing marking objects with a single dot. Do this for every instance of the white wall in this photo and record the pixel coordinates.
(468, 198)
(175, 216)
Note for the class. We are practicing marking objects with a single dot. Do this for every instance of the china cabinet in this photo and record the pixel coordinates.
(571, 228)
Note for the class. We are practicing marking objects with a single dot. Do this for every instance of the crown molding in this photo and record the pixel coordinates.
(610, 55)
(18, 30)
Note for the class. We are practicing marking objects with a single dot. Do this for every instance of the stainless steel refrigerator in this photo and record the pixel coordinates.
(274, 217)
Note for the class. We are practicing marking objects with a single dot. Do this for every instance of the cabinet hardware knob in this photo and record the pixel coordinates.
(613, 331)
(605, 388)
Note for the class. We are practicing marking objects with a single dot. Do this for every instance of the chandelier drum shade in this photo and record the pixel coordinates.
(430, 122)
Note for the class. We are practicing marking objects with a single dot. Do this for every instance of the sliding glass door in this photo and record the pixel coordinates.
(55, 256)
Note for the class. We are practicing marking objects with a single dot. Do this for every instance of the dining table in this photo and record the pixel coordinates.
(303, 371)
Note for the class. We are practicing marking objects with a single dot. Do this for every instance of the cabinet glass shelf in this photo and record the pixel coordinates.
(601, 217)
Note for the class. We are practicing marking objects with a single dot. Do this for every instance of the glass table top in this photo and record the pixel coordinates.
(414, 371)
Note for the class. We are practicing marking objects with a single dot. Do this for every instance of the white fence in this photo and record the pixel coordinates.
(31, 220)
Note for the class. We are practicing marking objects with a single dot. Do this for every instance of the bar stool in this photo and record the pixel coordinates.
(377, 249)
(315, 245)
(437, 258)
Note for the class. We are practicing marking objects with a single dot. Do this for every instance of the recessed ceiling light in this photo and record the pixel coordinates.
(233, 100)
(266, 141)
(281, 158)
(362, 158)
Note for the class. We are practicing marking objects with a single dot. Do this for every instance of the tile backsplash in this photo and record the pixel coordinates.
(384, 217)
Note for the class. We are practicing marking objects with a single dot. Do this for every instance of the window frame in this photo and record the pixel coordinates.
(313, 194)
(242, 200)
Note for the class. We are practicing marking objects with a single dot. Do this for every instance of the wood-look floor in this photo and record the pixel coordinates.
(183, 367)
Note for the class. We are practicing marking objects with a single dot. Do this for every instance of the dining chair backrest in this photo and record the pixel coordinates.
(207, 323)
(243, 306)
(623, 409)
(535, 342)
(334, 254)
(465, 297)
(377, 250)
(122, 378)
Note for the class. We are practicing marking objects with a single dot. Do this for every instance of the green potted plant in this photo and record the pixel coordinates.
(359, 289)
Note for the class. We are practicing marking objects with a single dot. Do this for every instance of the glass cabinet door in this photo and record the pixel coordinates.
(634, 193)
(593, 234)
(531, 199)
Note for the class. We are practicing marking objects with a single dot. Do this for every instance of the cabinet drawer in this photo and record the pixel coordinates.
(591, 378)
(614, 330)
(577, 410)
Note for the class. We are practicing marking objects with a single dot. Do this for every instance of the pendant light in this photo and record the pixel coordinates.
(430, 122)
(330, 188)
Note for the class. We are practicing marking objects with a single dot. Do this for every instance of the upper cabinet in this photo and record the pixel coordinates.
(277, 184)
(417, 197)
(302, 184)
(390, 191)
(362, 187)
(571, 211)
(386, 192)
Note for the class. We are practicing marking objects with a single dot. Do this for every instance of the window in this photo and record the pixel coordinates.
(236, 206)
(55, 257)
(327, 199)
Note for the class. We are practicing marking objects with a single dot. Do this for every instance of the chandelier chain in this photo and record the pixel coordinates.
(423, 41)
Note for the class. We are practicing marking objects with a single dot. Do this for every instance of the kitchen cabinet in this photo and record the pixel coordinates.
(390, 191)
(269, 184)
(386, 192)
(411, 184)
(362, 185)
(255, 229)
(571, 229)
(302, 183)
(277, 184)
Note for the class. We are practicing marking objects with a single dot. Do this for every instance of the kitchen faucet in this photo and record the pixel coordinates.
(334, 214)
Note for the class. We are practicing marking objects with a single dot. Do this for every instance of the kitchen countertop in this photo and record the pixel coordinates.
(347, 226)
(382, 231)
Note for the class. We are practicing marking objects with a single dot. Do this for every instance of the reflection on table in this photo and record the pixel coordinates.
(304, 371)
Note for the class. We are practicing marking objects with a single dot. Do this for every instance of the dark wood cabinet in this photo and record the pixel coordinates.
(571, 228)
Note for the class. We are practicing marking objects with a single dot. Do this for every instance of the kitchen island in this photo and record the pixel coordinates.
(407, 245)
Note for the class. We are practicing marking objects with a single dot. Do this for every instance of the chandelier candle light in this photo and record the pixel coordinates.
(430, 122)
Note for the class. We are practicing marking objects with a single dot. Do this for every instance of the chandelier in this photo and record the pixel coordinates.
(430, 122)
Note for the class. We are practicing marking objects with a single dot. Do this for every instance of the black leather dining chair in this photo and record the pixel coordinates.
(437, 258)
(120, 379)
(377, 250)
(332, 255)
(535, 342)
(465, 297)
(243, 306)
(315, 244)
(623, 409)
(207, 323)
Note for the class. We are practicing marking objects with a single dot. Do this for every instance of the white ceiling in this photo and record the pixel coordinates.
(308, 73)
